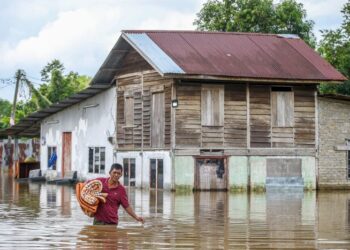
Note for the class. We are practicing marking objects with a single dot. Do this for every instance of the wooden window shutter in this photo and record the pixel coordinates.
(129, 111)
(212, 105)
(282, 104)
(158, 120)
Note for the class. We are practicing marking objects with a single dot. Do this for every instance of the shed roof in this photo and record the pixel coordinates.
(30, 125)
(230, 54)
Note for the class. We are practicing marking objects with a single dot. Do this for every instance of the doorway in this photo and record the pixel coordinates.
(66, 152)
(129, 172)
(156, 173)
(211, 174)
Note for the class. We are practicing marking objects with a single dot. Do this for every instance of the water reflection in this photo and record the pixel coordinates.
(47, 216)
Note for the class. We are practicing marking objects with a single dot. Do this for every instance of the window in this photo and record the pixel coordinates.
(212, 105)
(97, 160)
(129, 172)
(51, 157)
(282, 106)
(156, 173)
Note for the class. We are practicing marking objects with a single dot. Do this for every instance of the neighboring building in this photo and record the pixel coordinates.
(26, 148)
(81, 136)
(334, 142)
(80, 130)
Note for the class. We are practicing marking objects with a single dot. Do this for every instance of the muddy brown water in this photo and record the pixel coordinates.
(43, 216)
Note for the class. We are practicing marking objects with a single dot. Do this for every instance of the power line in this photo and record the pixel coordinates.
(36, 79)
(7, 85)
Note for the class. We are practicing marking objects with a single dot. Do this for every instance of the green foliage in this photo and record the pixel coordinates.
(49, 68)
(335, 48)
(59, 86)
(56, 86)
(5, 112)
(256, 16)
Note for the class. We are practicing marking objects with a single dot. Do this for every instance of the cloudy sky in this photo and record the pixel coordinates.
(80, 33)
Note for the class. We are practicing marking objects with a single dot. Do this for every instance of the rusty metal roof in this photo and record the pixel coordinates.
(239, 55)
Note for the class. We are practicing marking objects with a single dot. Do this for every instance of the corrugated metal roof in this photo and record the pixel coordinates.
(241, 55)
(153, 54)
(30, 125)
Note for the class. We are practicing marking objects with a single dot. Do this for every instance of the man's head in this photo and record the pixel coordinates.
(116, 171)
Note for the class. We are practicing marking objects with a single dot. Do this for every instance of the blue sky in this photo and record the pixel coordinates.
(80, 33)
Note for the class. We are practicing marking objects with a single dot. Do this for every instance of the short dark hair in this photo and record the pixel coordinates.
(116, 166)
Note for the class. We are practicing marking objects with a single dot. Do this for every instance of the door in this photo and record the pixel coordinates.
(129, 172)
(156, 173)
(211, 174)
(66, 152)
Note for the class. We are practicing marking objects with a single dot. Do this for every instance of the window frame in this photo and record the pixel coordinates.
(92, 168)
(49, 152)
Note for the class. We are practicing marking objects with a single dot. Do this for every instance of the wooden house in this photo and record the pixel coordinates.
(196, 111)
(216, 111)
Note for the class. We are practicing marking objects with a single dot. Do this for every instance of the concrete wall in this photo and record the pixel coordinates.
(184, 173)
(241, 166)
(238, 173)
(90, 127)
(334, 128)
(142, 165)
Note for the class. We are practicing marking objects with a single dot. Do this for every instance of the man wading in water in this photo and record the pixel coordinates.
(115, 194)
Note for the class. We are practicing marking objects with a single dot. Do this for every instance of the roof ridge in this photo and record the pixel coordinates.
(202, 32)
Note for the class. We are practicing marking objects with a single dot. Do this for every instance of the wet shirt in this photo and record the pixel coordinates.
(108, 212)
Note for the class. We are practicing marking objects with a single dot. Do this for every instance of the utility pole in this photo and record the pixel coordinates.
(18, 76)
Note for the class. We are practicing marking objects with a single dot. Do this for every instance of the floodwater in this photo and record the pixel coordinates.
(44, 216)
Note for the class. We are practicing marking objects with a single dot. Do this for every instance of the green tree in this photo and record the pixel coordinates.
(49, 68)
(260, 16)
(5, 107)
(335, 48)
(59, 86)
(56, 86)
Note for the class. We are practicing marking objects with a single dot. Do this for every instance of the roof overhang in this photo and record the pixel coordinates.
(30, 125)
(248, 80)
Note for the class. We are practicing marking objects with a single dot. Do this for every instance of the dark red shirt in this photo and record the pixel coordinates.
(108, 212)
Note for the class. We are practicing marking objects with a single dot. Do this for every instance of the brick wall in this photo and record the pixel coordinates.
(334, 128)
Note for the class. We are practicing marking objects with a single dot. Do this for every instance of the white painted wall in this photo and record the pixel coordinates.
(90, 127)
(143, 166)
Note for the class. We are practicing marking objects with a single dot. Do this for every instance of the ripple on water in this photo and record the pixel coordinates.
(46, 216)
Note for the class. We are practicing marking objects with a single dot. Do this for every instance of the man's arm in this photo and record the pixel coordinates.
(131, 212)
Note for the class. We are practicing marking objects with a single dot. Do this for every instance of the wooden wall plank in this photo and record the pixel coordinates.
(304, 112)
(188, 116)
(235, 131)
(260, 116)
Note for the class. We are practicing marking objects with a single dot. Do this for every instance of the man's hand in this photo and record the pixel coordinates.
(132, 214)
(140, 219)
